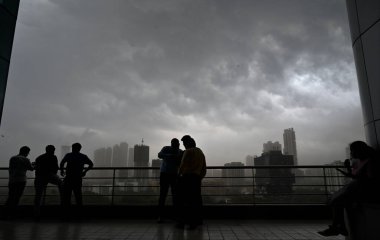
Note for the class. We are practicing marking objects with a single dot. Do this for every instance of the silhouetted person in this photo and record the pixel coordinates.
(46, 166)
(171, 158)
(18, 165)
(75, 170)
(191, 172)
(359, 189)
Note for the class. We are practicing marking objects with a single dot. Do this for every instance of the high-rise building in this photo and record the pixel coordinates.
(271, 146)
(141, 159)
(233, 172)
(156, 163)
(117, 161)
(274, 180)
(131, 157)
(124, 154)
(290, 146)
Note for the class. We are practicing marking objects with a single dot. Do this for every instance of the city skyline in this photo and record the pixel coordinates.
(232, 74)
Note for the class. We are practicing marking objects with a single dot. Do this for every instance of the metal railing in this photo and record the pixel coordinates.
(308, 185)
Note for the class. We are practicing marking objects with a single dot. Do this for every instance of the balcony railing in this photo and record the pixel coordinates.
(274, 185)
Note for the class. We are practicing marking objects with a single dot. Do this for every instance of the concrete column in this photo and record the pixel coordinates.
(8, 17)
(364, 20)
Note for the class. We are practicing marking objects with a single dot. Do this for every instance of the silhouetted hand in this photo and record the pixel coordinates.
(63, 173)
(83, 174)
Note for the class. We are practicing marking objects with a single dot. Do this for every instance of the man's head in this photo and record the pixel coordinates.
(50, 149)
(24, 151)
(175, 143)
(188, 142)
(76, 147)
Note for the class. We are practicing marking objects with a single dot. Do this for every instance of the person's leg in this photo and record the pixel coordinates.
(173, 181)
(56, 180)
(194, 201)
(15, 191)
(67, 189)
(40, 187)
(77, 188)
(180, 209)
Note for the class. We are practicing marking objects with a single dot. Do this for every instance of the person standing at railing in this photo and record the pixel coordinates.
(362, 187)
(191, 172)
(46, 166)
(171, 158)
(18, 165)
(75, 171)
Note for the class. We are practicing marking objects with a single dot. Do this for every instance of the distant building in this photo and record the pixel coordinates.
(65, 150)
(108, 159)
(233, 176)
(156, 163)
(124, 154)
(131, 157)
(274, 180)
(249, 160)
(233, 172)
(290, 145)
(103, 157)
(334, 179)
(117, 160)
(141, 159)
(271, 146)
(348, 152)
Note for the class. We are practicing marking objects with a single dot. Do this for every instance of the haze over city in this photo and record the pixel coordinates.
(232, 74)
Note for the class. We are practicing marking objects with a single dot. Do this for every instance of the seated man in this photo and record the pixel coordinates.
(363, 176)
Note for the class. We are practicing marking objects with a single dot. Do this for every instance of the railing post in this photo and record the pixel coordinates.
(113, 185)
(325, 183)
(253, 187)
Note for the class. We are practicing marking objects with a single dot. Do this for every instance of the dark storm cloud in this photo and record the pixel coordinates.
(232, 73)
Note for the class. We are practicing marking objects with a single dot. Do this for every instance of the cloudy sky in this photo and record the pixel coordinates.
(233, 74)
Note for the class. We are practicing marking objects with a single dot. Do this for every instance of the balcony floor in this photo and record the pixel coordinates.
(148, 229)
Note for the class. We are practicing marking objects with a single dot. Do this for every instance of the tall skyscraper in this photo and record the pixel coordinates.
(290, 146)
(131, 157)
(156, 163)
(124, 154)
(274, 180)
(116, 156)
(271, 146)
(141, 159)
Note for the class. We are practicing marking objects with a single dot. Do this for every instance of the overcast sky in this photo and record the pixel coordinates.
(232, 74)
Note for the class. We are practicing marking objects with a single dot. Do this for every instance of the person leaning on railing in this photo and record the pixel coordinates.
(362, 188)
(18, 165)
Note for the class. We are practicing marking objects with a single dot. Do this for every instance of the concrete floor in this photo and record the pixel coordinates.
(148, 229)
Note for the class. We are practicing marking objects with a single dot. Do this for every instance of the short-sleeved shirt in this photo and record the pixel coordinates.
(18, 165)
(75, 164)
(171, 159)
(46, 165)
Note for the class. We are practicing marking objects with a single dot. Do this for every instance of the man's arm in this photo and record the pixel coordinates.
(90, 165)
(29, 165)
(62, 166)
(165, 153)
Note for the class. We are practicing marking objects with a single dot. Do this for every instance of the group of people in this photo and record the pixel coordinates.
(363, 169)
(73, 167)
(183, 172)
